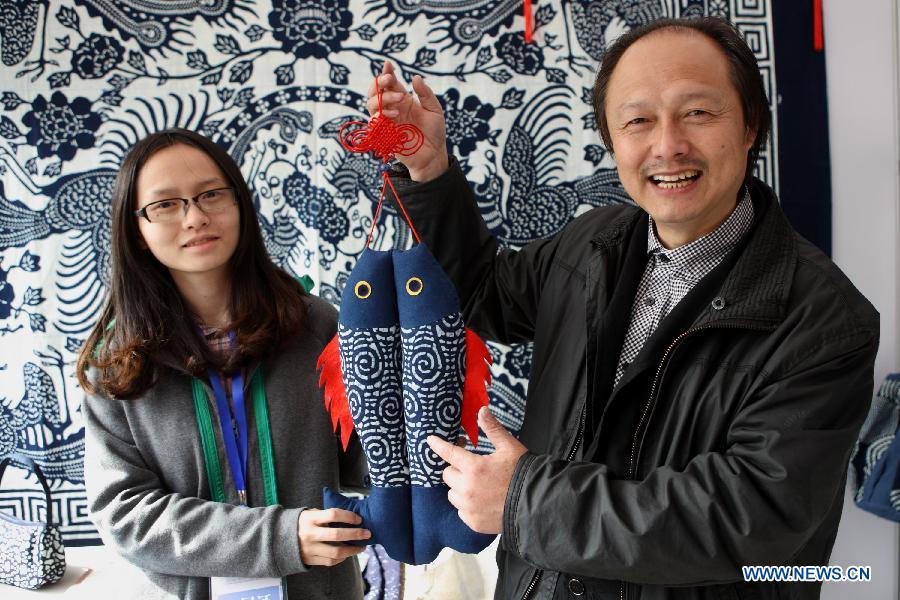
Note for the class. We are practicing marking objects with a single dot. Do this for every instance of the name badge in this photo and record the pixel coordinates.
(246, 588)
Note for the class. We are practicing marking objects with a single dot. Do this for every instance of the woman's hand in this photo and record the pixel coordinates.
(422, 110)
(321, 544)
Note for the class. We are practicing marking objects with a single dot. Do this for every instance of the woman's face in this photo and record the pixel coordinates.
(195, 242)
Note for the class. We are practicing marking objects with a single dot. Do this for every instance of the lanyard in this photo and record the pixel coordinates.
(263, 435)
(235, 449)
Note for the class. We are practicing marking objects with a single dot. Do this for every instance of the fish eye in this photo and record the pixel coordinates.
(363, 290)
(414, 286)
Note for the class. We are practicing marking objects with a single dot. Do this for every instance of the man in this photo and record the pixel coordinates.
(700, 371)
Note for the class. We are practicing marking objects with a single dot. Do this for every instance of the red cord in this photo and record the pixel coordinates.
(529, 24)
(818, 33)
(400, 204)
(385, 139)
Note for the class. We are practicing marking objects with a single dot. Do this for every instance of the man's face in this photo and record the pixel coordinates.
(678, 132)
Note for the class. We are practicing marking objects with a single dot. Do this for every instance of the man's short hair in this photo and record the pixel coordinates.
(742, 63)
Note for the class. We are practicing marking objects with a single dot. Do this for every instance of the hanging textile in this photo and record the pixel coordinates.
(273, 82)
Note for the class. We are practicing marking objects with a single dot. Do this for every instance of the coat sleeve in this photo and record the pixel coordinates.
(170, 533)
(353, 467)
(757, 503)
(498, 291)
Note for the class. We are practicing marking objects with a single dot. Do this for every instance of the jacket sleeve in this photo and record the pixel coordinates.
(757, 503)
(354, 469)
(498, 291)
(170, 533)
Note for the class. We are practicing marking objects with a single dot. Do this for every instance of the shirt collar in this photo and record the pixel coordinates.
(690, 258)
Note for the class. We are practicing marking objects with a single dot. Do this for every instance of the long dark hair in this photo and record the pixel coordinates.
(742, 63)
(145, 325)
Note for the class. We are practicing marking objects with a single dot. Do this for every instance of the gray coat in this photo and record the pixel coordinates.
(149, 497)
(724, 444)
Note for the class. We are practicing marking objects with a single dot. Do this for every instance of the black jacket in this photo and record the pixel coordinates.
(727, 439)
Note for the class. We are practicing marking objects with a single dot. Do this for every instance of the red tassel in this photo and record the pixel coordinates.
(818, 29)
(529, 24)
(336, 402)
(478, 376)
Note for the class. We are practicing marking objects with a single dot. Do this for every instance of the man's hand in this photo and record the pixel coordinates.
(320, 544)
(478, 484)
(422, 110)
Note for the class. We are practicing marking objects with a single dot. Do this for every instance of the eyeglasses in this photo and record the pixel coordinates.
(173, 209)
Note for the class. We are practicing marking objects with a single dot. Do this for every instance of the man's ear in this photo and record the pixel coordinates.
(749, 137)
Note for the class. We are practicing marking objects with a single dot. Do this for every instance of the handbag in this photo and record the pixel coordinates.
(875, 465)
(31, 553)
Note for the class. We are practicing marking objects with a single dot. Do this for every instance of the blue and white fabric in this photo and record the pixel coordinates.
(272, 81)
(434, 361)
(407, 510)
(376, 399)
(875, 463)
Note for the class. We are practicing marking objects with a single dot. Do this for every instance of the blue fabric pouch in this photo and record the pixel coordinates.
(875, 464)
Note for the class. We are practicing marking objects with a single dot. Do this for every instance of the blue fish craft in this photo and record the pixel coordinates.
(404, 366)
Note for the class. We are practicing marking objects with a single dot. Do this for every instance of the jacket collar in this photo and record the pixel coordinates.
(758, 287)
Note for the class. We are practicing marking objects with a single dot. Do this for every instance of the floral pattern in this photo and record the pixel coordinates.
(316, 207)
(59, 127)
(467, 124)
(7, 294)
(96, 56)
(522, 57)
(310, 27)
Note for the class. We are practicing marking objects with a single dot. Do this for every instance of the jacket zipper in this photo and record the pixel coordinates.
(534, 580)
(649, 403)
(635, 445)
(579, 435)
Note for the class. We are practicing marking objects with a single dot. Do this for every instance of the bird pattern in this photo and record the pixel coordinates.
(38, 425)
(592, 20)
(18, 21)
(459, 22)
(78, 206)
(540, 199)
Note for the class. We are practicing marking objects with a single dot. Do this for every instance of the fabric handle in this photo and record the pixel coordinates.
(34, 468)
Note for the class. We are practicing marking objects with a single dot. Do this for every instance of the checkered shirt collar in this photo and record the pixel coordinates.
(691, 259)
(217, 339)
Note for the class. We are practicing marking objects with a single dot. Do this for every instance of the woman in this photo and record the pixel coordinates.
(203, 392)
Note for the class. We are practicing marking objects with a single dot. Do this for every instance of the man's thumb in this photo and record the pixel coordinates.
(495, 432)
(426, 97)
